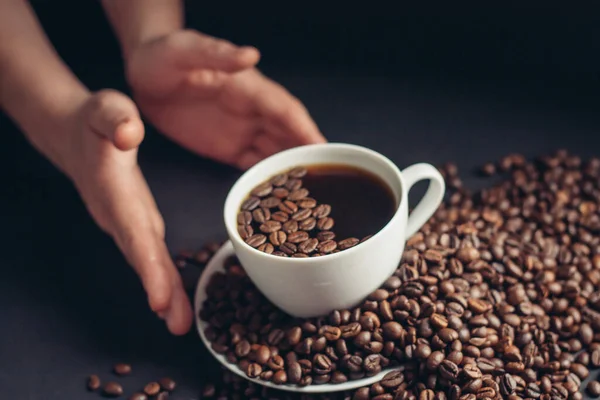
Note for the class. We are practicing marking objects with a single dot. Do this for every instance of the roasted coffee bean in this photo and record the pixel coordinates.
(595, 358)
(338, 377)
(449, 370)
(435, 360)
(270, 226)
(278, 180)
(266, 248)
(93, 383)
(347, 243)
(245, 231)
(253, 371)
(297, 237)
(288, 207)
(327, 246)
(280, 377)
(350, 330)
(280, 216)
(308, 246)
(277, 238)
(162, 396)
(293, 184)
(301, 215)
(331, 333)
(308, 224)
(321, 211)
(471, 371)
(290, 227)
(261, 215)
(138, 396)
(256, 240)
(325, 235)
(294, 372)
(262, 190)
(152, 388)
(593, 388)
(112, 389)
(298, 194)
(250, 204)
(297, 172)
(244, 218)
(392, 379)
(488, 169)
(270, 202)
(392, 330)
(325, 224)
(280, 193)
(580, 370)
(167, 384)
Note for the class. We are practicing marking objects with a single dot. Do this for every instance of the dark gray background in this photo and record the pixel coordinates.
(417, 85)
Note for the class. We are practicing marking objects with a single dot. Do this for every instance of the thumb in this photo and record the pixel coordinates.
(193, 50)
(147, 252)
(115, 117)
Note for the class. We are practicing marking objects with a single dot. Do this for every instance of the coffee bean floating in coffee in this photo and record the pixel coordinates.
(321, 209)
(497, 297)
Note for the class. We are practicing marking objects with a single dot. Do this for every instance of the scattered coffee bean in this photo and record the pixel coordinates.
(138, 396)
(167, 384)
(593, 388)
(122, 369)
(93, 383)
(152, 388)
(496, 297)
(112, 389)
(162, 396)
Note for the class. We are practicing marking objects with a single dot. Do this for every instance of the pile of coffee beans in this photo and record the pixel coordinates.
(497, 297)
(159, 390)
(280, 218)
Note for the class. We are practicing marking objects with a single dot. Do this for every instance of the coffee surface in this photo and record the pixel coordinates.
(281, 216)
(361, 202)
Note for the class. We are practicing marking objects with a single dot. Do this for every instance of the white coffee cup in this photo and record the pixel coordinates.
(315, 286)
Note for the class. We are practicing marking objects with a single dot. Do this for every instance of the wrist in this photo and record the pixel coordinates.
(138, 22)
(47, 114)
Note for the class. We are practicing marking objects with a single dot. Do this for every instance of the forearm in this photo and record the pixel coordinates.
(140, 21)
(37, 90)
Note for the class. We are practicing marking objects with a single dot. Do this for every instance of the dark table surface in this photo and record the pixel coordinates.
(69, 304)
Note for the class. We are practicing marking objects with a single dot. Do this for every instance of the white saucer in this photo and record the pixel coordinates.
(216, 265)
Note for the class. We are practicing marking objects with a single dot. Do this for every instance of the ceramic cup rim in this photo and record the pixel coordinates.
(232, 203)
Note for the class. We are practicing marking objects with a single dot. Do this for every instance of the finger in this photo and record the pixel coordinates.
(149, 258)
(193, 50)
(115, 117)
(203, 84)
(285, 112)
(267, 144)
(148, 254)
(138, 230)
(248, 158)
(179, 315)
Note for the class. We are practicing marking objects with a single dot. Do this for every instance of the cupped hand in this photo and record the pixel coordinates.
(205, 94)
(103, 166)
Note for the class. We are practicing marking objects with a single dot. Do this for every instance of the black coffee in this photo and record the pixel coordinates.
(314, 211)
(361, 202)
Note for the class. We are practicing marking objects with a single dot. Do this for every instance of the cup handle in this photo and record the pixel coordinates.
(432, 199)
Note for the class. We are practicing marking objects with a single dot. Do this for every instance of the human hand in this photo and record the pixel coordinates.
(205, 94)
(102, 162)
